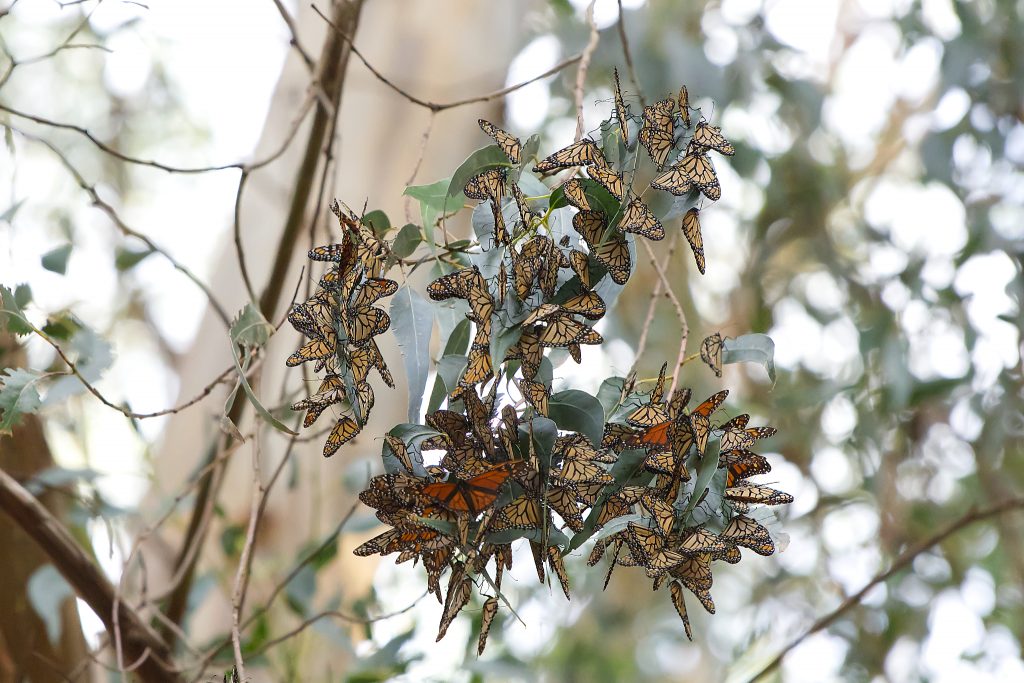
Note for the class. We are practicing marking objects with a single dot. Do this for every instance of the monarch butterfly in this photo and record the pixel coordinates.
(639, 219)
(588, 336)
(711, 353)
(502, 282)
(522, 513)
(694, 573)
(563, 502)
(549, 272)
(399, 450)
(481, 303)
(536, 394)
(679, 400)
(458, 596)
(489, 184)
(749, 533)
(673, 180)
(711, 404)
(698, 168)
(710, 137)
(661, 462)
(648, 415)
(736, 434)
(575, 351)
(450, 423)
(500, 233)
(543, 312)
(372, 290)
(614, 255)
(557, 565)
(364, 323)
(582, 471)
(525, 213)
(691, 229)
(575, 194)
(343, 432)
(752, 493)
(561, 332)
(364, 358)
(699, 540)
(741, 464)
(731, 555)
(620, 109)
(619, 436)
(590, 225)
(454, 284)
(315, 349)
(581, 266)
(582, 153)
(490, 609)
(577, 447)
(659, 114)
(529, 353)
(613, 508)
(608, 179)
(509, 143)
(471, 496)
(663, 513)
(479, 369)
(648, 549)
(330, 252)
(364, 401)
(684, 106)
(658, 392)
(680, 605)
(658, 143)
(589, 304)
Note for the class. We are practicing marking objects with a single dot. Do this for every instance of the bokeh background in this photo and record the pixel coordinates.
(872, 223)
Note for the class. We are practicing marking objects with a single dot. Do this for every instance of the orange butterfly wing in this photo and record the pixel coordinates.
(656, 435)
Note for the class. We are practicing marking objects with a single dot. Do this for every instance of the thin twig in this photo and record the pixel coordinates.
(629, 58)
(241, 581)
(239, 252)
(900, 563)
(653, 303)
(290, 23)
(441, 106)
(581, 70)
(680, 313)
(419, 162)
(124, 227)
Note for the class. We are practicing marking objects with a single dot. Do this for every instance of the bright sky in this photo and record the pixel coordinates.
(226, 66)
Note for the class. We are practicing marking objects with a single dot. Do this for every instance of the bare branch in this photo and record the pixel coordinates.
(290, 23)
(680, 313)
(653, 302)
(581, 71)
(629, 58)
(437, 106)
(972, 517)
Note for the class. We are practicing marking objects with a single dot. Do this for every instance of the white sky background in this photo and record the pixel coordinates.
(226, 66)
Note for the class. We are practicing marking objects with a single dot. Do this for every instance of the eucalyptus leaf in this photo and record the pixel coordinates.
(56, 260)
(608, 395)
(751, 348)
(434, 201)
(8, 215)
(449, 369)
(378, 222)
(412, 321)
(578, 411)
(126, 259)
(409, 237)
(47, 591)
(251, 395)
(479, 161)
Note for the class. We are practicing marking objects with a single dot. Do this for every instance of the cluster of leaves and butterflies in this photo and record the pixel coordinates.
(499, 457)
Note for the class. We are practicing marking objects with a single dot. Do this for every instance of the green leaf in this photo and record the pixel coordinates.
(56, 260)
(457, 345)
(707, 467)
(545, 431)
(126, 259)
(434, 201)
(12, 318)
(600, 199)
(232, 539)
(260, 410)
(449, 369)
(300, 590)
(609, 394)
(530, 148)
(47, 591)
(751, 348)
(477, 162)
(409, 237)
(8, 215)
(23, 295)
(93, 354)
(378, 222)
(578, 411)
(250, 329)
(413, 321)
(502, 340)
(54, 477)
(18, 396)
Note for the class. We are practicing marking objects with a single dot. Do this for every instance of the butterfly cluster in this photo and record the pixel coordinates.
(340, 321)
(498, 460)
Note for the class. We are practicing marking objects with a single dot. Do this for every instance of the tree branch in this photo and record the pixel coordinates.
(973, 516)
(581, 71)
(141, 644)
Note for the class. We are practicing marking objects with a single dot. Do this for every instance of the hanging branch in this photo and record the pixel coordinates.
(142, 646)
(581, 72)
(902, 562)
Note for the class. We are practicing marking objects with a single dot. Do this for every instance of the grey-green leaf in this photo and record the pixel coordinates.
(413, 321)
(56, 260)
(751, 348)
(409, 237)
(260, 409)
(18, 396)
(93, 354)
(250, 328)
(47, 590)
(477, 162)
(578, 411)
